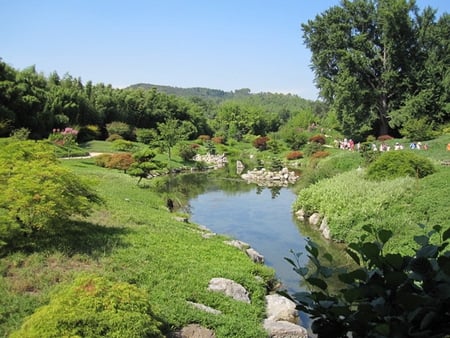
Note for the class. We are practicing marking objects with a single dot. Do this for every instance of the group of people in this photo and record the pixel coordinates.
(349, 144)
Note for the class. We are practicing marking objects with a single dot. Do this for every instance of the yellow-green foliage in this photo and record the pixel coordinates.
(349, 202)
(93, 307)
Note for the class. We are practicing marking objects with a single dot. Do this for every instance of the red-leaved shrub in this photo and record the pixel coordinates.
(217, 139)
(383, 138)
(294, 155)
(318, 139)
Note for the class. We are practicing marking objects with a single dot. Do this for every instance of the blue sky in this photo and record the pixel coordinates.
(220, 44)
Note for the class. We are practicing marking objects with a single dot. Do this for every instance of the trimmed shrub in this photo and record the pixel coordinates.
(102, 160)
(383, 138)
(320, 154)
(145, 135)
(114, 137)
(312, 148)
(294, 155)
(89, 133)
(121, 161)
(188, 151)
(120, 128)
(94, 307)
(395, 164)
(318, 139)
(260, 142)
(204, 138)
(217, 140)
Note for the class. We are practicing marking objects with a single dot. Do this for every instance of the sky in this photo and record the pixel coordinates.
(218, 44)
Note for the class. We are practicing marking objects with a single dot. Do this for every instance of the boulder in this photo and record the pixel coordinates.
(229, 288)
(283, 329)
(193, 331)
(280, 308)
(314, 219)
(255, 255)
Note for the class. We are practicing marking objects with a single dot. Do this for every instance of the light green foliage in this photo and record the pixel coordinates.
(144, 164)
(349, 202)
(387, 295)
(172, 131)
(37, 192)
(93, 307)
(119, 128)
(393, 164)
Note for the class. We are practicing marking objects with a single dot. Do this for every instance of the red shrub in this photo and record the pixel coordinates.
(320, 154)
(261, 142)
(121, 161)
(294, 155)
(217, 139)
(383, 138)
(318, 139)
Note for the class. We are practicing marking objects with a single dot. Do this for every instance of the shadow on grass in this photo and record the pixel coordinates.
(80, 237)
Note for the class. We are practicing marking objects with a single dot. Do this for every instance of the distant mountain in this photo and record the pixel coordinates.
(205, 93)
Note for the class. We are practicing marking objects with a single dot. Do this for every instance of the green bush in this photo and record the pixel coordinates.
(120, 128)
(145, 135)
(188, 151)
(395, 164)
(93, 307)
(102, 160)
(88, 133)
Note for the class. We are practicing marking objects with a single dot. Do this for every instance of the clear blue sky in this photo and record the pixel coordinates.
(220, 44)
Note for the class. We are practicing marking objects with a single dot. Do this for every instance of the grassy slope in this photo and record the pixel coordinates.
(134, 238)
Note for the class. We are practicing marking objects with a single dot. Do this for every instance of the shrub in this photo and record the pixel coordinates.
(318, 139)
(120, 128)
(294, 155)
(188, 151)
(217, 139)
(312, 148)
(145, 135)
(320, 154)
(204, 138)
(386, 295)
(21, 134)
(121, 161)
(418, 129)
(94, 307)
(260, 142)
(123, 145)
(383, 138)
(114, 137)
(89, 133)
(395, 164)
(102, 160)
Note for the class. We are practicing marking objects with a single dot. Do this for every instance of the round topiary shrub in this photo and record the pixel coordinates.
(93, 307)
(395, 164)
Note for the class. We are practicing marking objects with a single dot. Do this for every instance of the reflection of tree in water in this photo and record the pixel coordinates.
(274, 191)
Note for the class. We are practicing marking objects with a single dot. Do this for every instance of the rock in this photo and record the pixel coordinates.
(229, 288)
(255, 255)
(238, 244)
(205, 308)
(284, 329)
(325, 229)
(280, 308)
(300, 215)
(193, 331)
(314, 219)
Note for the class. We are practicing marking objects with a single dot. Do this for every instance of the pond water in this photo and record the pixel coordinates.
(261, 217)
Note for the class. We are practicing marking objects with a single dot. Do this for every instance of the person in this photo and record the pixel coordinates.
(448, 146)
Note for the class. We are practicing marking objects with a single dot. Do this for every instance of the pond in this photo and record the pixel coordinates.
(262, 217)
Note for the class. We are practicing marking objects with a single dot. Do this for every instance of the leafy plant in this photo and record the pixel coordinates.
(388, 295)
(93, 307)
(394, 164)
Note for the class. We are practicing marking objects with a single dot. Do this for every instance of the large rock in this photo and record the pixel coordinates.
(284, 329)
(193, 331)
(279, 308)
(229, 288)
(255, 255)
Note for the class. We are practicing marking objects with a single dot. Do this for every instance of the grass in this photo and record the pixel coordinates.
(134, 238)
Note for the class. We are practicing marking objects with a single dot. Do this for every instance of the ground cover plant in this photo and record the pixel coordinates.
(132, 238)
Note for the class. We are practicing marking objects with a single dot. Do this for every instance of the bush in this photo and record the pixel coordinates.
(120, 128)
(318, 139)
(387, 295)
(102, 160)
(260, 142)
(121, 161)
(93, 307)
(395, 164)
(123, 145)
(188, 151)
(89, 133)
(418, 129)
(320, 154)
(114, 137)
(312, 148)
(217, 140)
(294, 155)
(383, 138)
(145, 135)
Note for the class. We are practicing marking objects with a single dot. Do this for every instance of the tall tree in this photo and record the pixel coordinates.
(363, 54)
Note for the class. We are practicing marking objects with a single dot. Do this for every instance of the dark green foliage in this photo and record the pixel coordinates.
(187, 152)
(393, 164)
(388, 295)
(276, 164)
(312, 148)
(144, 164)
(93, 307)
(119, 128)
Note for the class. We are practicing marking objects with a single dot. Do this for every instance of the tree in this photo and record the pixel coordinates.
(387, 295)
(366, 56)
(144, 164)
(172, 131)
(34, 199)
